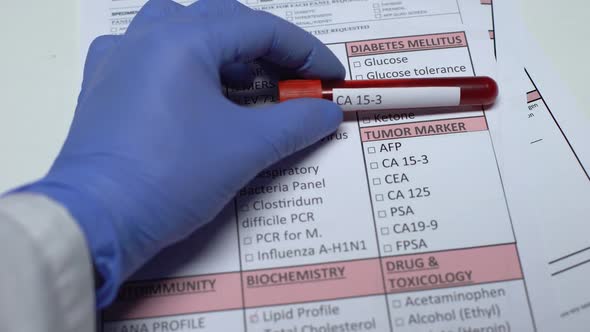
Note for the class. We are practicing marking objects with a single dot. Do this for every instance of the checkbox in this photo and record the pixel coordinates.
(387, 248)
(376, 181)
(396, 303)
(247, 240)
(374, 166)
(289, 18)
(366, 120)
(399, 322)
(371, 150)
(382, 214)
(377, 12)
(244, 208)
(249, 257)
(356, 64)
(375, 5)
(114, 30)
(254, 318)
(377, 15)
(251, 1)
(384, 230)
(379, 198)
(289, 13)
(359, 77)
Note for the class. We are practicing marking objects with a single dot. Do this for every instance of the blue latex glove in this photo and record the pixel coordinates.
(155, 150)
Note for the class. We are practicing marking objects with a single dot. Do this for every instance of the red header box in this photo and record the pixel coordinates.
(533, 96)
(451, 268)
(320, 282)
(427, 128)
(407, 44)
(176, 296)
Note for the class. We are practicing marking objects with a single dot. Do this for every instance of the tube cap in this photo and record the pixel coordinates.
(292, 89)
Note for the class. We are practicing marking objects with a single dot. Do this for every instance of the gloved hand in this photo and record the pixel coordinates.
(155, 150)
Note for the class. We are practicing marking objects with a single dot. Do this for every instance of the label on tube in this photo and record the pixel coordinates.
(386, 98)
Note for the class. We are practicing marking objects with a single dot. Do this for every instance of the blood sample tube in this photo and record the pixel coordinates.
(361, 95)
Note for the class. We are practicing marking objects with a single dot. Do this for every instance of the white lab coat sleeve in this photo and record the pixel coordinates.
(46, 279)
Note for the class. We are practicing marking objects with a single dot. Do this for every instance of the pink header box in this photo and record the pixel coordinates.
(358, 278)
(486, 2)
(464, 267)
(532, 96)
(428, 128)
(225, 294)
(406, 44)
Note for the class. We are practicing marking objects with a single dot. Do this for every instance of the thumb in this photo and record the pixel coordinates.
(151, 12)
(99, 49)
(296, 124)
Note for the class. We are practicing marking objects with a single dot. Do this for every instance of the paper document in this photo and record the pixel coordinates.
(545, 166)
(398, 221)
